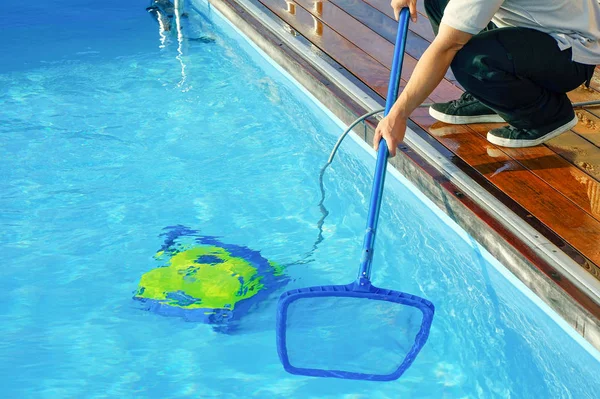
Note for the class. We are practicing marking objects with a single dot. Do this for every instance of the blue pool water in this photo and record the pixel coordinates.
(109, 134)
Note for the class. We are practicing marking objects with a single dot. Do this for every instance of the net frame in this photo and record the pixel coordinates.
(353, 290)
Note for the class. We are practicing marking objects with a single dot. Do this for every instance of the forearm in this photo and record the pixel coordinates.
(429, 71)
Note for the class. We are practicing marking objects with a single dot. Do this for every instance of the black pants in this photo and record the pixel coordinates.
(518, 72)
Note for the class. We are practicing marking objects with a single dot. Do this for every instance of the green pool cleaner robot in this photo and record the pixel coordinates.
(203, 279)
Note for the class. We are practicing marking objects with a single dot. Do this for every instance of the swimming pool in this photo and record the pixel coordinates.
(109, 135)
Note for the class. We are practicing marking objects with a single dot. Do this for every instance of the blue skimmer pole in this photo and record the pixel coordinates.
(361, 288)
(364, 275)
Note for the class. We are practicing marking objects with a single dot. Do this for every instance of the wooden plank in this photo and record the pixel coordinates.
(582, 93)
(595, 83)
(557, 212)
(360, 64)
(422, 27)
(553, 169)
(585, 151)
(588, 126)
(352, 30)
(421, 8)
(419, 37)
(385, 7)
(420, 30)
(381, 24)
(361, 36)
(553, 163)
(579, 152)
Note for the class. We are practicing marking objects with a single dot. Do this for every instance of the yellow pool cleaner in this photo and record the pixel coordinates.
(203, 279)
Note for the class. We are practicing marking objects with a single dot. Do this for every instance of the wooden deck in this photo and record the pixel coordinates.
(555, 186)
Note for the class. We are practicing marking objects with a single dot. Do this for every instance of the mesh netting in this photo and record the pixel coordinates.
(350, 334)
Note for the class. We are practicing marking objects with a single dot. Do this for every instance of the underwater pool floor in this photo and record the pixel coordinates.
(108, 146)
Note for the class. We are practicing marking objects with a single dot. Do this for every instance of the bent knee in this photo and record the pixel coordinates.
(480, 58)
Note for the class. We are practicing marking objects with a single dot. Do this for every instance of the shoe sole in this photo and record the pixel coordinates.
(530, 143)
(465, 120)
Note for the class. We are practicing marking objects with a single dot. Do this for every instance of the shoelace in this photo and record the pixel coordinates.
(466, 97)
(513, 132)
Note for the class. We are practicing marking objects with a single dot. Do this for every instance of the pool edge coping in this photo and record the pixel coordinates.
(532, 260)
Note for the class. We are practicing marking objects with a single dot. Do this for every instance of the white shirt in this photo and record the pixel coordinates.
(573, 23)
